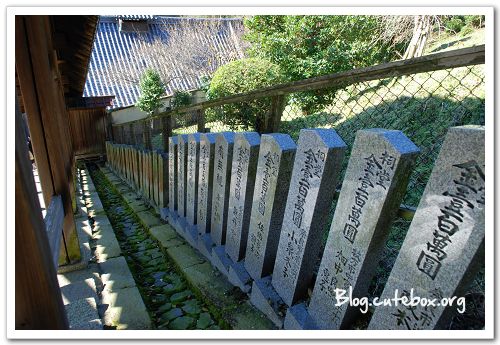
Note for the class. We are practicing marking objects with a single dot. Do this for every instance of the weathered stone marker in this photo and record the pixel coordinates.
(205, 188)
(316, 169)
(205, 181)
(182, 142)
(222, 175)
(314, 178)
(244, 168)
(172, 179)
(192, 177)
(193, 149)
(274, 169)
(374, 184)
(163, 184)
(445, 242)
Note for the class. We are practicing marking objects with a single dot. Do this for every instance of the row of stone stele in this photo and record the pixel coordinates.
(277, 208)
(230, 310)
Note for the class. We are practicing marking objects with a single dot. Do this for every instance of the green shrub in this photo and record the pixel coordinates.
(152, 88)
(474, 21)
(463, 24)
(455, 24)
(180, 99)
(237, 77)
(311, 45)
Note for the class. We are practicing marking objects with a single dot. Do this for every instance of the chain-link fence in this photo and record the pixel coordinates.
(422, 105)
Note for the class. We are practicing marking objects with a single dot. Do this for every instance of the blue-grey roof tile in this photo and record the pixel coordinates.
(111, 46)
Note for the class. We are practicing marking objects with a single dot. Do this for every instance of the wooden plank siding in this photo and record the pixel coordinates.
(38, 298)
(49, 71)
(88, 130)
(43, 98)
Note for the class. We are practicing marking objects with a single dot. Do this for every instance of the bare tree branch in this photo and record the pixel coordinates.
(185, 51)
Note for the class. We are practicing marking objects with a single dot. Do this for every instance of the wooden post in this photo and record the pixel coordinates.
(27, 84)
(132, 134)
(200, 115)
(166, 123)
(38, 298)
(113, 134)
(127, 163)
(154, 170)
(109, 128)
(273, 118)
(150, 177)
(118, 136)
(136, 169)
(144, 173)
(43, 98)
(146, 134)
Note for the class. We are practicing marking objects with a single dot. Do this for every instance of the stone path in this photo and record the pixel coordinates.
(169, 301)
(79, 288)
(103, 294)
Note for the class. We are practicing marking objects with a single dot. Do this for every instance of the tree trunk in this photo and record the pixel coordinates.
(421, 32)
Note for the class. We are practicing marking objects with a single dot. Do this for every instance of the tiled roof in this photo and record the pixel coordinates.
(111, 45)
(135, 17)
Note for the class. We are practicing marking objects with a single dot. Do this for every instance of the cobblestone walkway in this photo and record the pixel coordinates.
(170, 302)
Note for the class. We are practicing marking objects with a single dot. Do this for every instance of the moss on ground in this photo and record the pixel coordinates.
(156, 277)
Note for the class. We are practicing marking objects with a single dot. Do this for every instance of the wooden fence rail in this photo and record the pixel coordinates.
(444, 60)
(54, 223)
(256, 207)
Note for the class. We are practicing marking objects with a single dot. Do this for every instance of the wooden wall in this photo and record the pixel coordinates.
(38, 298)
(88, 130)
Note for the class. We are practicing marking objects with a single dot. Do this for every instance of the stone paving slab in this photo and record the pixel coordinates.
(213, 287)
(112, 177)
(116, 274)
(123, 188)
(166, 236)
(101, 220)
(163, 232)
(149, 219)
(126, 310)
(81, 312)
(94, 203)
(102, 230)
(137, 205)
(82, 224)
(107, 244)
(88, 186)
(79, 290)
(95, 324)
(75, 276)
(185, 256)
(82, 208)
(130, 195)
(201, 277)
